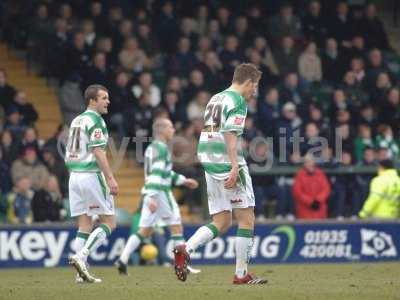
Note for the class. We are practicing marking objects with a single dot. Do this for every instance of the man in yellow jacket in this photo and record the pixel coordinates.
(384, 195)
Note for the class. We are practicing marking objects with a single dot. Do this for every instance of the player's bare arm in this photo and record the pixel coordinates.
(231, 143)
(104, 166)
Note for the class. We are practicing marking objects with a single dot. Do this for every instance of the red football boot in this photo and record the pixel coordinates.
(182, 260)
(249, 279)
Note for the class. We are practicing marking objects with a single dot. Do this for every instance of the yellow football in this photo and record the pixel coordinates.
(149, 252)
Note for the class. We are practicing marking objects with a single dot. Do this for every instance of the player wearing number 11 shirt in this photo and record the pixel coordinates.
(229, 187)
(91, 183)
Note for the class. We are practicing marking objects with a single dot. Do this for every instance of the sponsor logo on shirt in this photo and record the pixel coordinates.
(97, 134)
(94, 206)
(238, 120)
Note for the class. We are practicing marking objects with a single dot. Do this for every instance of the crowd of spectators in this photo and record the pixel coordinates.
(34, 179)
(328, 71)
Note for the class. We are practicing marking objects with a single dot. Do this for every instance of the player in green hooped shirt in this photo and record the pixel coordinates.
(229, 187)
(159, 205)
(91, 184)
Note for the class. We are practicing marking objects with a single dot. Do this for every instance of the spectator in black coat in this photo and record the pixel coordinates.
(183, 61)
(316, 116)
(256, 20)
(389, 112)
(211, 69)
(242, 32)
(266, 187)
(267, 78)
(380, 89)
(47, 202)
(175, 109)
(291, 92)
(372, 29)
(342, 138)
(286, 56)
(230, 56)
(225, 20)
(56, 49)
(375, 66)
(14, 122)
(5, 175)
(268, 112)
(344, 191)
(7, 92)
(340, 101)
(28, 112)
(314, 25)
(141, 118)
(98, 72)
(77, 57)
(57, 168)
(196, 84)
(9, 147)
(333, 63)
(363, 180)
(339, 26)
(167, 28)
(368, 116)
(96, 14)
(357, 48)
(147, 40)
(284, 24)
(122, 99)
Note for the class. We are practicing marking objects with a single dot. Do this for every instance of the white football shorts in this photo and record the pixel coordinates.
(167, 212)
(89, 194)
(222, 199)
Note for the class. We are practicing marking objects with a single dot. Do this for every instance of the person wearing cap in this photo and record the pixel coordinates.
(287, 126)
(384, 195)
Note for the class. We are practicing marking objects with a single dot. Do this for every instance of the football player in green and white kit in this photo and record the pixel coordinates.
(229, 187)
(159, 205)
(91, 183)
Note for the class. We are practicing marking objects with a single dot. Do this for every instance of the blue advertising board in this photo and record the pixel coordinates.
(273, 243)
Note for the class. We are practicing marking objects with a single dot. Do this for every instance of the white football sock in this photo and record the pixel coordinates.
(243, 246)
(202, 236)
(131, 245)
(96, 238)
(80, 240)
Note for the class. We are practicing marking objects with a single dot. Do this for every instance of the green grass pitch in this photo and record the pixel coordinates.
(317, 281)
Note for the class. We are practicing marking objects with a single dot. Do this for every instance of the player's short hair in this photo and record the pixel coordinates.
(246, 71)
(92, 91)
(159, 124)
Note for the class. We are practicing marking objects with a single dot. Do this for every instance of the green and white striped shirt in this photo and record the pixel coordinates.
(87, 130)
(158, 173)
(226, 111)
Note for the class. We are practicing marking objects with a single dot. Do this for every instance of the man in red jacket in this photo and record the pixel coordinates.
(311, 190)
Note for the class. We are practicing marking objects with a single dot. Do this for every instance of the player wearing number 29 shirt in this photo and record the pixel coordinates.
(91, 184)
(229, 187)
